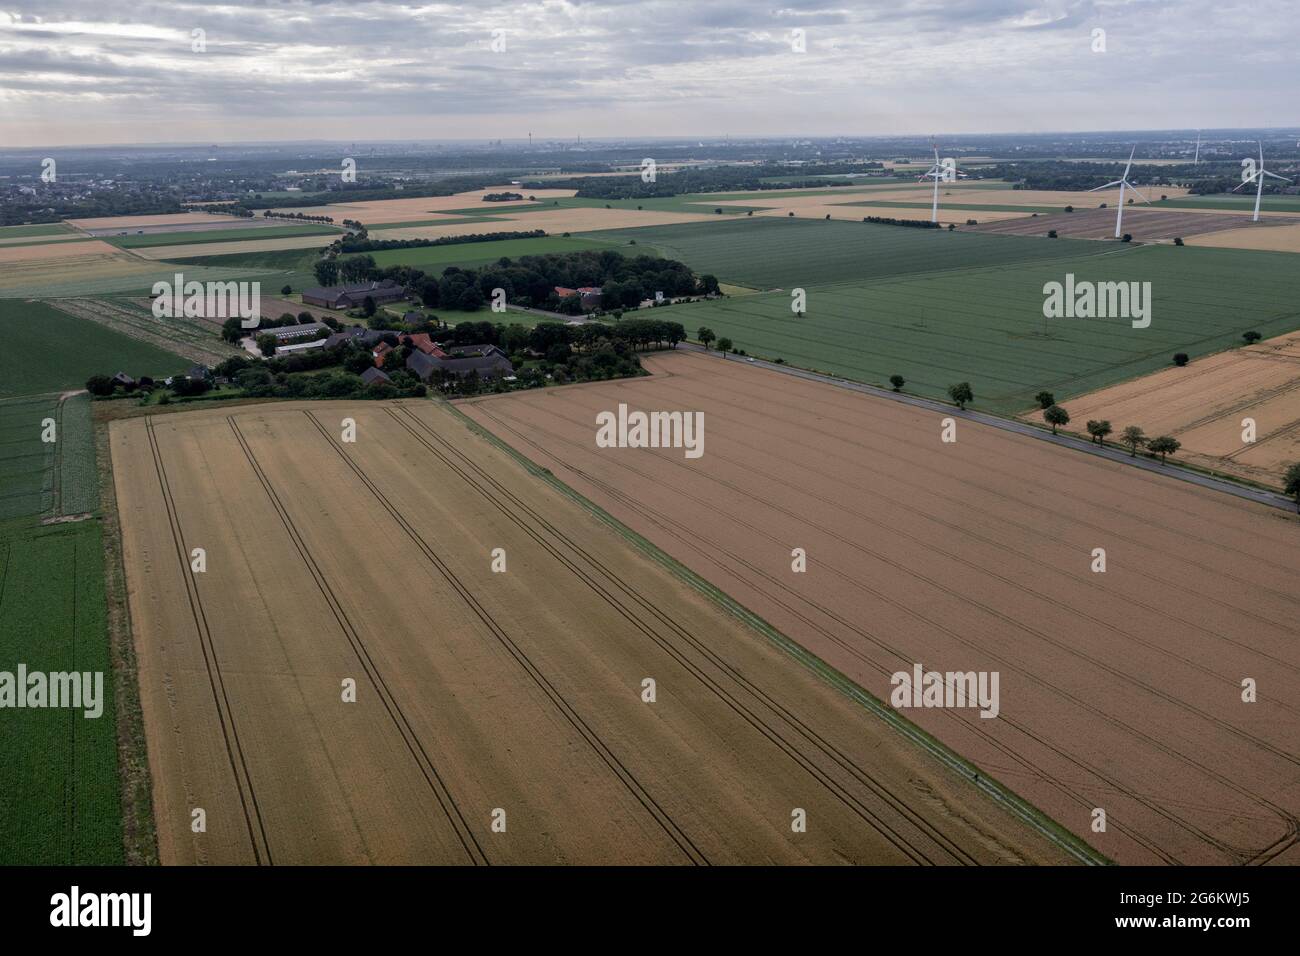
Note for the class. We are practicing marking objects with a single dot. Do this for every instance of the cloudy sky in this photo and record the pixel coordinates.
(107, 71)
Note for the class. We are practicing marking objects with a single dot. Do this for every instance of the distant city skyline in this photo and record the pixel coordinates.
(73, 72)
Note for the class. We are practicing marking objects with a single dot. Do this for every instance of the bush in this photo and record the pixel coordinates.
(1251, 337)
(100, 385)
(1178, 240)
(286, 290)
(1180, 359)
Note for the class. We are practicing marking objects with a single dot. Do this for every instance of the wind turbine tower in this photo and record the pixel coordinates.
(1123, 183)
(1257, 177)
(939, 173)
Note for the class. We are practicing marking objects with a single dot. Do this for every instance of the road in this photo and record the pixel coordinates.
(1258, 496)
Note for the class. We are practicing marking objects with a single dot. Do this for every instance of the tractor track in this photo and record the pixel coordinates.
(683, 658)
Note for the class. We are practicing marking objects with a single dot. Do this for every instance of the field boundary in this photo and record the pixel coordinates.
(993, 788)
(135, 780)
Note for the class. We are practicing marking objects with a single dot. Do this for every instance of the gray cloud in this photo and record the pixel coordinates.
(79, 71)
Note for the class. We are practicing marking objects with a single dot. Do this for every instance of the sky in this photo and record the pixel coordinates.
(78, 72)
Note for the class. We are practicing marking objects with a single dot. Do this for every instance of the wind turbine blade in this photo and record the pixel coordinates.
(1139, 192)
(1107, 186)
(1275, 175)
(1130, 161)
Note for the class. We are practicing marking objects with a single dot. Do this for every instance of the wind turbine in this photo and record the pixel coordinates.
(1258, 177)
(1123, 182)
(937, 173)
(1197, 160)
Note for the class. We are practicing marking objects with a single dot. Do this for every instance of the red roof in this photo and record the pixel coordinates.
(421, 341)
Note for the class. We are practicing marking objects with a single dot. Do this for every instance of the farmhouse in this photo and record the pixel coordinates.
(355, 333)
(421, 341)
(349, 296)
(485, 361)
(372, 375)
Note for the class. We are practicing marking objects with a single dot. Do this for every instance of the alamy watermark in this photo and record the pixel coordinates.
(1098, 300)
(639, 429)
(78, 690)
(210, 300)
(922, 688)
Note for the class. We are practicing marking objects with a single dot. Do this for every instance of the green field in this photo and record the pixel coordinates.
(41, 229)
(768, 253)
(59, 797)
(48, 351)
(1243, 201)
(218, 235)
(434, 259)
(986, 325)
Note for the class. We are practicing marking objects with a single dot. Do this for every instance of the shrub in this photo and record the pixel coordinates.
(1180, 359)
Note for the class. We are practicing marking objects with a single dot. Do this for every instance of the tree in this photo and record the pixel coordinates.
(1051, 234)
(286, 290)
(1178, 240)
(1251, 337)
(1128, 236)
(1045, 400)
(327, 272)
(898, 382)
(266, 344)
(1099, 429)
(99, 385)
(1135, 438)
(1180, 359)
(724, 346)
(1164, 445)
(705, 335)
(1055, 416)
(1292, 484)
(961, 393)
(368, 306)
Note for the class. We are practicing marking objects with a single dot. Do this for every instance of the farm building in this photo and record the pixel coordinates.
(358, 334)
(372, 375)
(486, 361)
(349, 296)
(287, 333)
(421, 341)
(589, 295)
(300, 347)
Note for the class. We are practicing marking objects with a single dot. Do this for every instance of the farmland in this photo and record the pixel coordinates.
(1120, 691)
(1205, 404)
(179, 238)
(196, 340)
(986, 326)
(59, 796)
(514, 696)
(785, 253)
(49, 350)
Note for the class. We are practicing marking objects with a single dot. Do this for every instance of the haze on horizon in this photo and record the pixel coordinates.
(77, 72)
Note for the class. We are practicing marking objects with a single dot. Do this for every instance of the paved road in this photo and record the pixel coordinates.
(1269, 498)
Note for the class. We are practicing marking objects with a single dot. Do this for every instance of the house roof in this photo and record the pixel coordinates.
(421, 341)
(372, 375)
(295, 331)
